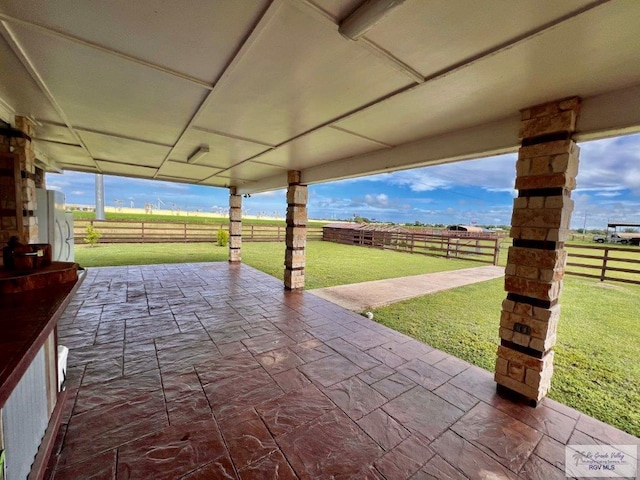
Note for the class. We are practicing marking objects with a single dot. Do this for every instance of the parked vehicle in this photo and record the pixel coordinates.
(623, 239)
(610, 238)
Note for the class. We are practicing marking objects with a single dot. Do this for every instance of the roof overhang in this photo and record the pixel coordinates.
(231, 93)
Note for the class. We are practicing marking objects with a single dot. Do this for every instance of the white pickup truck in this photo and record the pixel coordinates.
(614, 238)
(610, 238)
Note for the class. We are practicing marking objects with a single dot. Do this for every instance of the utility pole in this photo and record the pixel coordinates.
(99, 197)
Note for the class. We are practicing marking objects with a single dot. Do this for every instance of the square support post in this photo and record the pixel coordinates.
(23, 194)
(296, 234)
(546, 172)
(235, 226)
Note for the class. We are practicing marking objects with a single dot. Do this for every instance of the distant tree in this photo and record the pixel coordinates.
(630, 230)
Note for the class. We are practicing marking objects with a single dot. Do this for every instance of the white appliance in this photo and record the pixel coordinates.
(63, 354)
(55, 226)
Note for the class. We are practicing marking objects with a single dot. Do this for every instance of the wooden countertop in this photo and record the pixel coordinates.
(26, 320)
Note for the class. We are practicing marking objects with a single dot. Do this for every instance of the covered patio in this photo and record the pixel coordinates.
(213, 371)
(200, 369)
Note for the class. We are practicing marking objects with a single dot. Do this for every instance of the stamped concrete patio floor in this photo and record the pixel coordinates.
(207, 371)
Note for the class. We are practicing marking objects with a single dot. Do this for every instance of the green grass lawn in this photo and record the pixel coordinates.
(328, 264)
(597, 359)
(182, 218)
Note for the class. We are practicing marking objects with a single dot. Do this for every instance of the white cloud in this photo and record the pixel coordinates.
(379, 200)
(609, 164)
(608, 194)
(496, 174)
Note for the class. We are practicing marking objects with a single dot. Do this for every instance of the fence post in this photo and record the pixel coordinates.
(185, 231)
(496, 251)
(603, 272)
(448, 246)
(143, 230)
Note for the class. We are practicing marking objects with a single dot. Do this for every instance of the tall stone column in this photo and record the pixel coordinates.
(545, 176)
(235, 226)
(24, 148)
(18, 142)
(296, 236)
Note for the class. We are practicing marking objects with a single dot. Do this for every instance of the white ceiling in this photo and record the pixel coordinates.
(135, 88)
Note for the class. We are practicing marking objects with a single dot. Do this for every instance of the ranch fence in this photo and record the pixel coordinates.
(612, 263)
(618, 264)
(117, 231)
(479, 247)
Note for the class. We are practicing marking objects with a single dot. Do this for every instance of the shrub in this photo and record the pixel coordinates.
(223, 238)
(93, 236)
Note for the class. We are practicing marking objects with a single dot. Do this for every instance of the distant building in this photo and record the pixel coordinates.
(465, 228)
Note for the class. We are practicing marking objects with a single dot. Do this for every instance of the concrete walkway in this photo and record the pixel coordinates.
(359, 297)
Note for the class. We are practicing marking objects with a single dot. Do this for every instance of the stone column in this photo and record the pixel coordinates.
(235, 226)
(18, 142)
(24, 148)
(40, 178)
(296, 236)
(545, 175)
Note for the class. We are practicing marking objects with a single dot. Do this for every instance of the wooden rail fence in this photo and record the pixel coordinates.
(159, 232)
(483, 248)
(618, 264)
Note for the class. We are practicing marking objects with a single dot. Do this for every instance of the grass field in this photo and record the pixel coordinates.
(597, 359)
(328, 264)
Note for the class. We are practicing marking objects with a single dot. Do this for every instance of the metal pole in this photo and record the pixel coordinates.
(99, 197)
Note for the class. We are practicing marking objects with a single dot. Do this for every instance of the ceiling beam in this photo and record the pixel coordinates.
(249, 41)
(391, 60)
(366, 16)
(45, 163)
(234, 137)
(7, 113)
(364, 137)
(22, 56)
(609, 114)
(506, 45)
(481, 141)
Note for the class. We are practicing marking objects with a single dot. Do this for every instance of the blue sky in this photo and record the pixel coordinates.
(463, 192)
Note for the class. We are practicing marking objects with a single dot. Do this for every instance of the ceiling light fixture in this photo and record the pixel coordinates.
(366, 16)
(198, 155)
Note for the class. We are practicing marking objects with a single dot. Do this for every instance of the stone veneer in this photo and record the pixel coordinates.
(235, 226)
(296, 235)
(545, 175)
(22, 147)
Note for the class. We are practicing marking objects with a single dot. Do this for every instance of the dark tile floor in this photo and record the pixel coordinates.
(207, 371)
